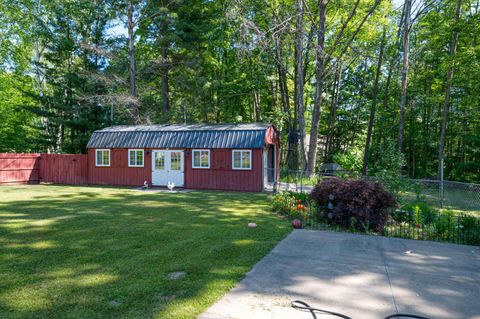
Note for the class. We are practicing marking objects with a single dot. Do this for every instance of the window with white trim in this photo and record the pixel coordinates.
(242, 159)
(201, 159)
(135, 158)
(102, 157)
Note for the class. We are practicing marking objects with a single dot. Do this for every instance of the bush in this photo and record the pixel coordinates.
(388, 162)
(357, 204)
(351, 160)
(290, 204)
(419, 213)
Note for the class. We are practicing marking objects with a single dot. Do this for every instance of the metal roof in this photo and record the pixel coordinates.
(249, 135)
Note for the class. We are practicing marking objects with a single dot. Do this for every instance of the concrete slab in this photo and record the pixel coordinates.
(364, 277)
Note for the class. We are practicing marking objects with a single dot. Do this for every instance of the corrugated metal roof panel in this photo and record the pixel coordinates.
(250, 135)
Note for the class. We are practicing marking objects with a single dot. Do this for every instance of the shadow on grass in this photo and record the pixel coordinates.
(101, 253)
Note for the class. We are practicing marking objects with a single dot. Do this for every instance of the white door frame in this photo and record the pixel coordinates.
(266, 165)
(167, 175)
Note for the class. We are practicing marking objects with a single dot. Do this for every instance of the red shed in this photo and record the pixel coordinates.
(234, 157)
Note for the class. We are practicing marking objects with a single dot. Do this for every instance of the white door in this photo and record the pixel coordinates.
(167, 168)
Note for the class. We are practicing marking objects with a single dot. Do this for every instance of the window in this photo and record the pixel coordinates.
(201, 159)
(175, 161)
(102, 158)
(135, 158)
(159, 161)
(242, 159)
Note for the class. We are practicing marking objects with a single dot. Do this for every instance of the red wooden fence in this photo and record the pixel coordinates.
(47, 168)
(64, 168)
(19, 168)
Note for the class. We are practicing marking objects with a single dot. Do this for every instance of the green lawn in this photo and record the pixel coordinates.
(86, 252)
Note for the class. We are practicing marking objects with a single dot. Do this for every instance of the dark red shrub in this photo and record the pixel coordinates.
(359, 204)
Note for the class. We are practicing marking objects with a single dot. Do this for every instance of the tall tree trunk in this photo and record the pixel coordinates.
(291, 157)
(319, 87)
(165, 89)
(38, 74)
(391, 66)
(373, 109)
(299, 84)
(403, 100)
(131, 58)
(448, 88)
(358, 105)
(256, 106)
(333, 113)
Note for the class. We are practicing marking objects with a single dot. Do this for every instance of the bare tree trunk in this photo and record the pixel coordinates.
(333, 113)
(373, 109)
(358, 105)
(448, 88)
(165, 90)
(403, 100)
(391, 66)
(291, 157)
(131, 58)
(319, 87)
(299, 84)
(256, 106)
(38, 74)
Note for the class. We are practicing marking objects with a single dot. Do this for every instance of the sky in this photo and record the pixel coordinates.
(118, 27)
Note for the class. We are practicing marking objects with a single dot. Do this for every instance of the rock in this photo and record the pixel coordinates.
(176, 275)
(115, 303)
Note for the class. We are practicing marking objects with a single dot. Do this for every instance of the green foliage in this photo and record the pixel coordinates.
(290, 204)
(16, 115)
(418, 213)
(387, 165)
(421, 221)
(352, 160)
(235, 62)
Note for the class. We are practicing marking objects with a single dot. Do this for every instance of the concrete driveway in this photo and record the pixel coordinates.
(359, 276)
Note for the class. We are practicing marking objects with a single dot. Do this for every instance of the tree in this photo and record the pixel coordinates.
(319, 88)
(300, 85)
(448, 88)
(403, 100)
(373, 108)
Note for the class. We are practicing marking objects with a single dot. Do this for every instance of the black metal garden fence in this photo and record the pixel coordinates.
(432, 225)
(444, 194)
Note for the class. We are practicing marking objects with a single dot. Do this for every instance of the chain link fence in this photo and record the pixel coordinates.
(456, 196)
(447, 194)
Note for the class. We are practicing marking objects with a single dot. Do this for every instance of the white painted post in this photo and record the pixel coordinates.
(441, 184)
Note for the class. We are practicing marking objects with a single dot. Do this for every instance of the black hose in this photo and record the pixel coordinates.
(300, 305)
(403, 315)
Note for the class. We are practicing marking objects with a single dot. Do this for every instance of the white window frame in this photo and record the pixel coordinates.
(96, 157)
(241, 168)
(193, 158)
(136, 150)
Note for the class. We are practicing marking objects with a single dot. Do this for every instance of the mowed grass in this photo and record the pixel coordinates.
(457, 200)
(86, 252)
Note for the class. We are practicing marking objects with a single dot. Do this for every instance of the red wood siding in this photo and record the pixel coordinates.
(81, 169)
(19, 168)
(119, 173)
(64, 169)
(221, 176)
